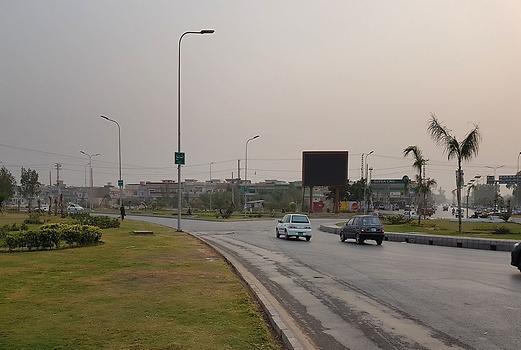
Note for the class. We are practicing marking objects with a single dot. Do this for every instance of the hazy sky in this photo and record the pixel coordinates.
(305, 75)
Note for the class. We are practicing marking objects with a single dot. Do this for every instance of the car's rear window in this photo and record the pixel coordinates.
(299, 219)
(371, 221)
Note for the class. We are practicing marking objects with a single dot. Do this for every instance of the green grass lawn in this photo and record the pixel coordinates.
(450, 228)
(166, 291)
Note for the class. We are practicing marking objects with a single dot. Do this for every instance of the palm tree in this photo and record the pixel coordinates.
(418, 164)
(460, 150)
(425, 188)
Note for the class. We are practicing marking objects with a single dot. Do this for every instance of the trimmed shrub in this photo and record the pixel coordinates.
(49, 236)
(396, 219)
(99, 221)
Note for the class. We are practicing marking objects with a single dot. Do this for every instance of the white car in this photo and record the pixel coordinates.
(74, 208)
(411, 215)
(294, 225)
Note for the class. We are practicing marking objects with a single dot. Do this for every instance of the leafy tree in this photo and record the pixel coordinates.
(7, 185)
(462, 150)
(350, 192)
(483, 195)
(516, 192)
(418, 164)
(29, 185)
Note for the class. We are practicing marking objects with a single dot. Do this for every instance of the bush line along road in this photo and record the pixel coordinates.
(394, 296)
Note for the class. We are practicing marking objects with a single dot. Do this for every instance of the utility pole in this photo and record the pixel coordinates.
(362, 168)
(58, 167)
(233, 185)
(366, 175)
(239, 169)
(211, 186)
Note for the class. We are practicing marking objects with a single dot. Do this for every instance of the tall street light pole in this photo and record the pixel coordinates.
(211, 185)
(366, 178)
(246, 167)
(120, 180)
(518, 182)
(91, 183)
(179, 188)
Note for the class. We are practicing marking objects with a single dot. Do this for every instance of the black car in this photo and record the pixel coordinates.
(363, 227)
(516, 256)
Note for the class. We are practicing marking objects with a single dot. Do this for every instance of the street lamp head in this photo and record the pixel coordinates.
(207, 31)
(97, 154)
(256, 136)
(370, 152)
(83, 153)
(102, 116)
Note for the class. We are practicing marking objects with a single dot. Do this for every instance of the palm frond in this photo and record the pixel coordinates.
(470, 144)
(419, 161)
(452, 148)
(439, 132)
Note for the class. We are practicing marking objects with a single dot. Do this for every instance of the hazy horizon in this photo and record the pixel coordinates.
(305, 75)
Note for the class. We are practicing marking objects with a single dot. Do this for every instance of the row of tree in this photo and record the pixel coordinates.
(29, 185)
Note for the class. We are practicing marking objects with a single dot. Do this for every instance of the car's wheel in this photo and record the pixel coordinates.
(342, 237)
(308, 238)
(286, 234)
(379, 241)
(358, 239)
(277, 232)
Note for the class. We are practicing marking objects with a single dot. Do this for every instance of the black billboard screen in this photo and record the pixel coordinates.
(324, 168)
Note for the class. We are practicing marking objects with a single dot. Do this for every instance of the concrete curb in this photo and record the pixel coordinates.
(284, 325)
(505, 245)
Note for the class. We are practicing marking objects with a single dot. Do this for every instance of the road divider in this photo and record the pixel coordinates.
(505, 245)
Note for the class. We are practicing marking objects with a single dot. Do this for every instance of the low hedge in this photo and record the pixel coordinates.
(50, 236)
(396, 219)
(98, 221)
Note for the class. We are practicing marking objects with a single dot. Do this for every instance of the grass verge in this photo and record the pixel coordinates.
(450, 228)
(166, 291)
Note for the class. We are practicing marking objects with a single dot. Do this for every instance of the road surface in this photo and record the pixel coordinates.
(394, 296)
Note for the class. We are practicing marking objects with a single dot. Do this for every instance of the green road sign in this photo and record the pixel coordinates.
(179, 158)
(120, 183)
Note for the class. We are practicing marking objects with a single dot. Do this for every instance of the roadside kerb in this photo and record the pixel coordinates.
(284, 325)
(504, 245)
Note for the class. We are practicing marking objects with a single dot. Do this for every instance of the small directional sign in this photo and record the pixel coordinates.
(120, 183)
(179, 158)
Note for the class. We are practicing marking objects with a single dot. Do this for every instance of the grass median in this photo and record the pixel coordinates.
(446, 227)
(165, 291)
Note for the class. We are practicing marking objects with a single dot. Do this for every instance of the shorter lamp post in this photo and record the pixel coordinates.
(469, 187)
(91, 177)
(120, 181)
(211, 186)
(366, 180)
(246, 169)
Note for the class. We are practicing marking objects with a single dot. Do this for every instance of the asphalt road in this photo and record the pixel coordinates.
(394, 296)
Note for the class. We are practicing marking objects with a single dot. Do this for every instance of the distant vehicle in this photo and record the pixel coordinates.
(410, 214)
(516, 256)
(43, 208)
(445, 207)
(363, 227)
(381, 207)
(294, 225)
(74, 209)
